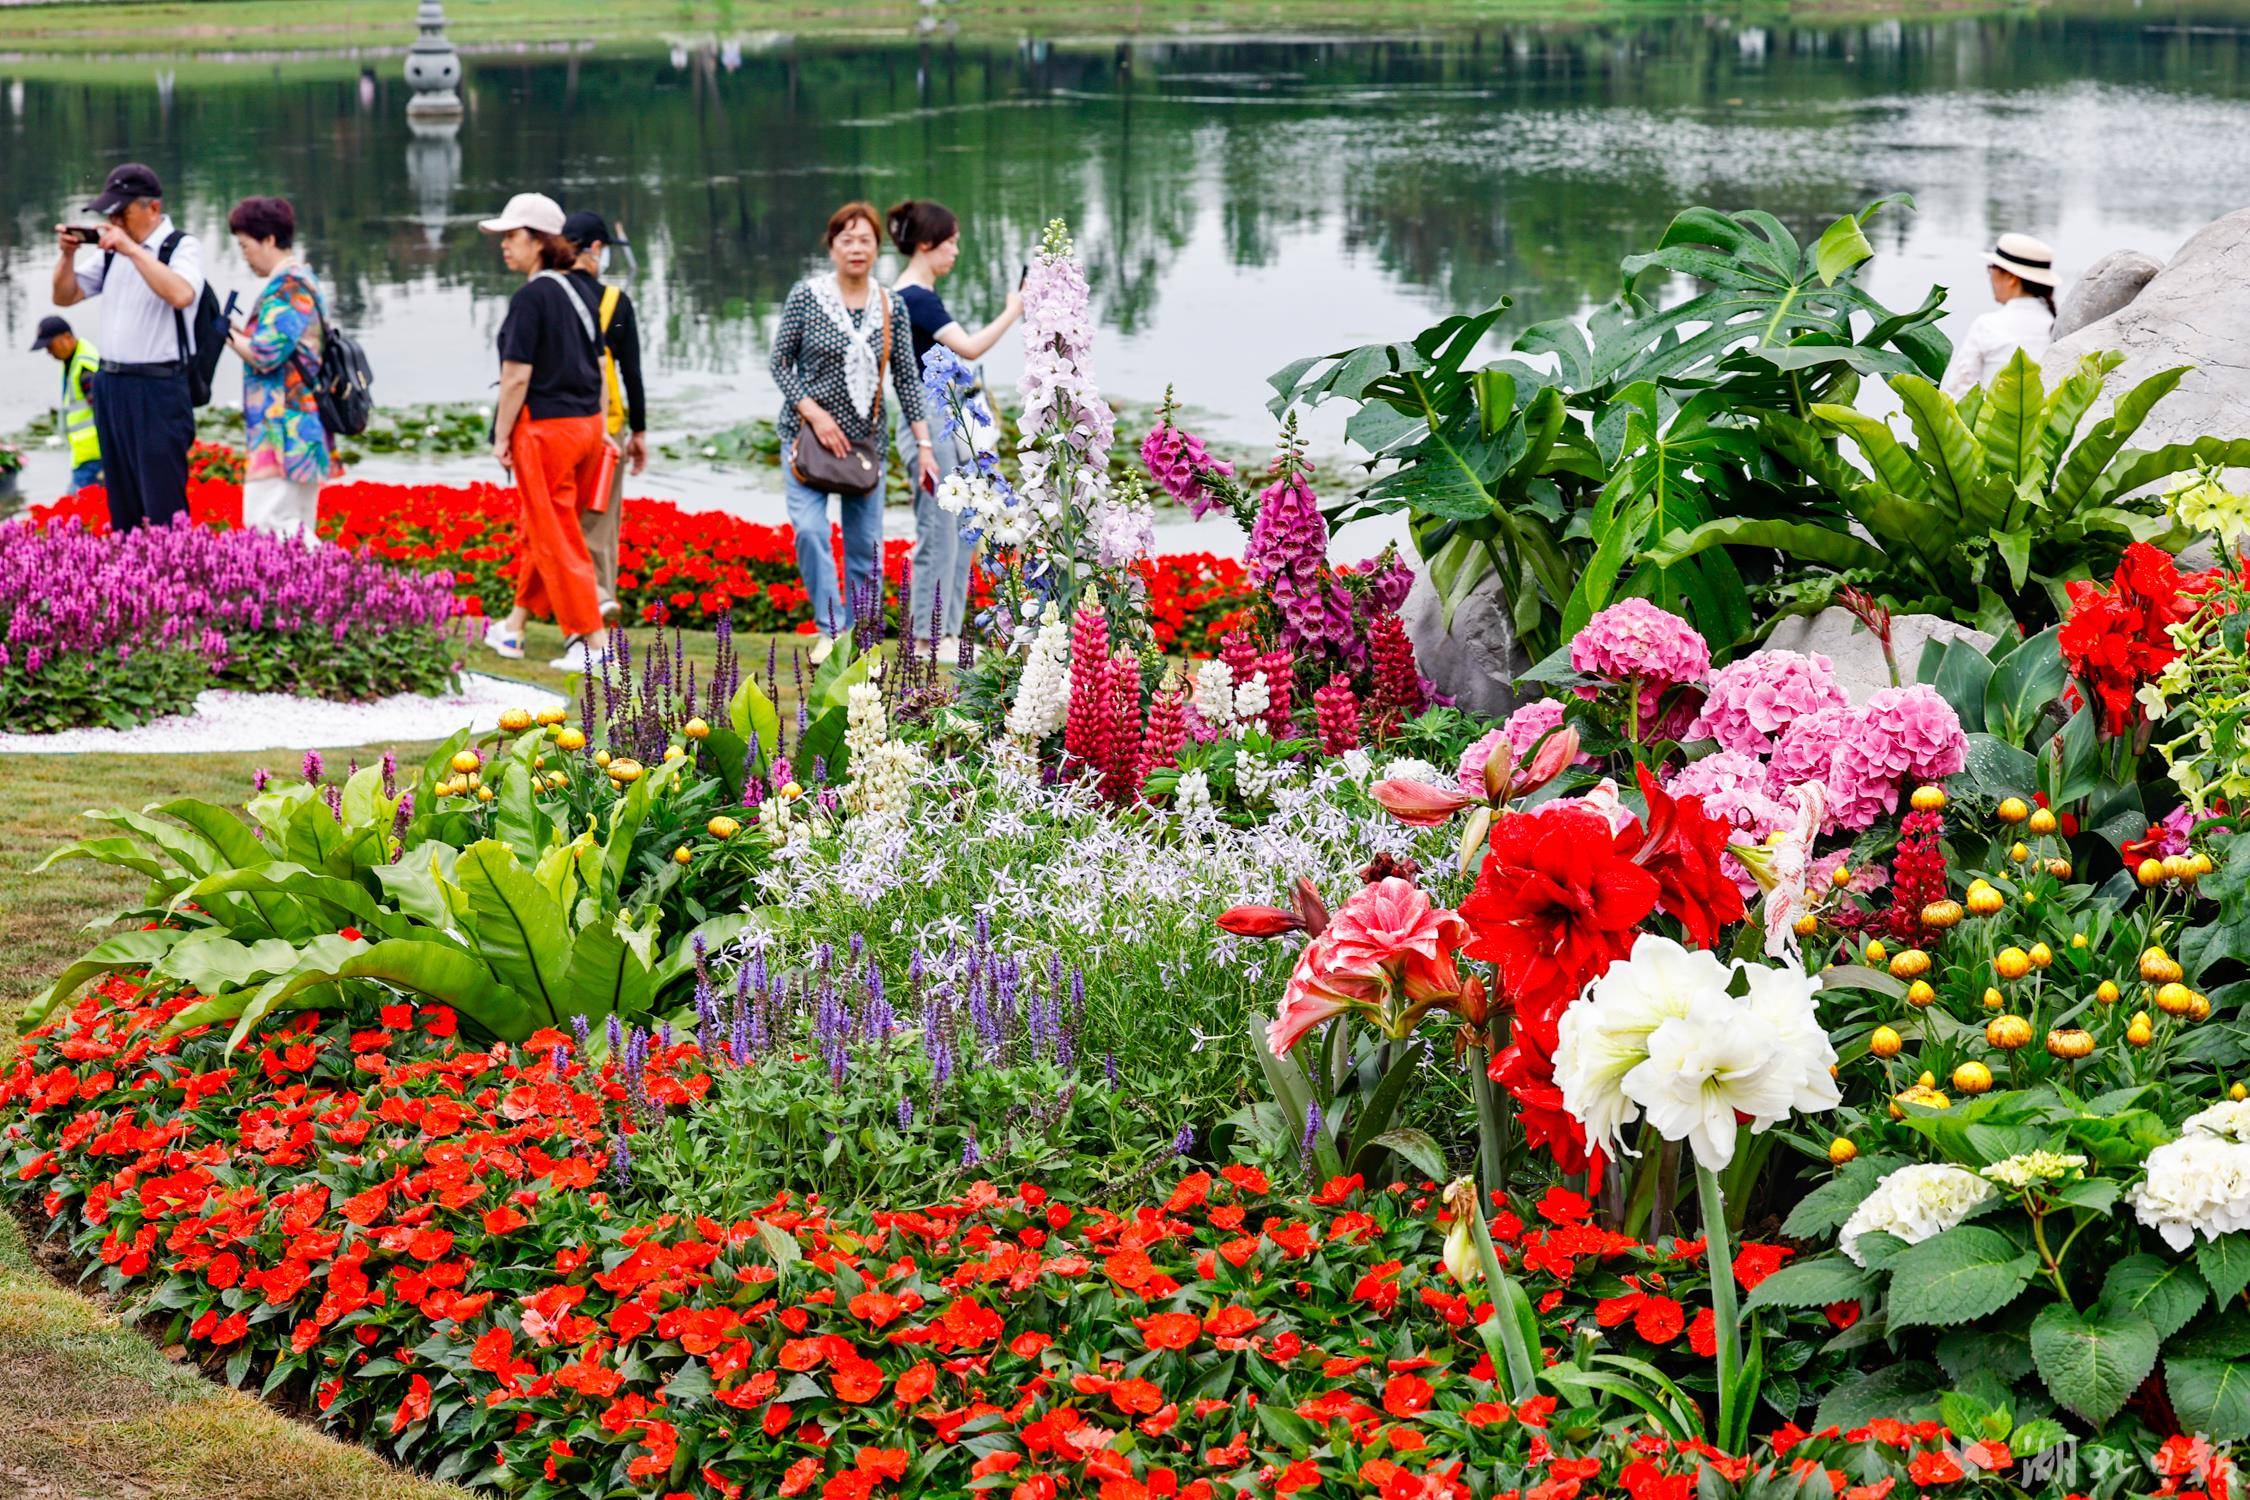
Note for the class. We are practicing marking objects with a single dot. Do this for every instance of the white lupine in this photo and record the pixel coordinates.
(1914, 1203)
(1214, 694)
(1251, 700)
(1043, 695)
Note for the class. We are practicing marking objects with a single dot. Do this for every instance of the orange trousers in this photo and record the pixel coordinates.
(557, 461)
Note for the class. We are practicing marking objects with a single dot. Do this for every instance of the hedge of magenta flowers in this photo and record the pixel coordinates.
(97, 629)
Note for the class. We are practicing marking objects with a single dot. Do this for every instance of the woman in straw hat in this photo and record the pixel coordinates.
(2022, 270)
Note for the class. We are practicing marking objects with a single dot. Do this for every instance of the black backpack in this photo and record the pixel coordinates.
(210, 329)
(344, 386)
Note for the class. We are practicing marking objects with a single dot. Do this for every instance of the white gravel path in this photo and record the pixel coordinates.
(225, 720)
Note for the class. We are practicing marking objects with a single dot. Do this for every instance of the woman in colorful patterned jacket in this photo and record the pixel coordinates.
(286, 457)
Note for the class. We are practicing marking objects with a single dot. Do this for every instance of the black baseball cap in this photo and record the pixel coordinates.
(126, 183)
(50, 329)
(584, 227)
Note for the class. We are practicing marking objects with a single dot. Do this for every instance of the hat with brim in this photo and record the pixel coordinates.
(527, 211)
(50, 329)
(126, 184)
(585, 227)
(2024, 258)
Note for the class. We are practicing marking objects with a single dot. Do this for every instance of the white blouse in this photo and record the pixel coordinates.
(2019, 323)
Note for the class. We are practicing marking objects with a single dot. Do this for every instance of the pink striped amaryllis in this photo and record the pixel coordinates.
(1387, 953)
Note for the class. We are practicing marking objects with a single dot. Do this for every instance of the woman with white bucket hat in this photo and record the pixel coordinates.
(2022, 271)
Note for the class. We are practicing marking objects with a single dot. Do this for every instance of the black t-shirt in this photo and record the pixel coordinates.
(623, 339)
(925, 315)
(543, 330)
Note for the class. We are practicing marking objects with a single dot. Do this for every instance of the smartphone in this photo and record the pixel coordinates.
(83, 234)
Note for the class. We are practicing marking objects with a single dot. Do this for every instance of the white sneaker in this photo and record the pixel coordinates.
(500, 643)
(579, 656)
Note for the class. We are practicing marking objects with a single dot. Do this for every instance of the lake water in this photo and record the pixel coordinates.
(1239, 200)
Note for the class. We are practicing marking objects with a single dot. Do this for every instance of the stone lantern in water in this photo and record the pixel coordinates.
(433, 68)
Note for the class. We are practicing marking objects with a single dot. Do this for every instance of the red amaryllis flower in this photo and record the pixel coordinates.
(1420, 804)
(1260, 921)
(1681, 846)
(2115, 640)
(1527, 1072)
(1558, 900)
(1390, 940)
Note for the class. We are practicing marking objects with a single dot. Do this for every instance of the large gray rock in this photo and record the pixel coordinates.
(2108, 285)
(1477, 660)
(1858, 656)
(2196, 311)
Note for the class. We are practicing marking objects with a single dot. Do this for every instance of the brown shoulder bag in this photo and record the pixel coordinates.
(858, 470)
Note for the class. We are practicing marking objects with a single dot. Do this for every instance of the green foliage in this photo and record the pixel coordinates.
(1564, 465)
(1989, 506)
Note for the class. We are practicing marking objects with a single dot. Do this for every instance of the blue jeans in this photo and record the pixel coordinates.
(89, 472)
(816, 559)
(941, 558)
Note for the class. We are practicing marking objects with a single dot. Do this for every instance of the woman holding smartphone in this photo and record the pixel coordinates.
(286, 457)
(929, 236)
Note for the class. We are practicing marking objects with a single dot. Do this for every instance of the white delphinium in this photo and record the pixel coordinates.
(1043, 695)
(1913, 1204)
(1214, 694)
(1660, 1034)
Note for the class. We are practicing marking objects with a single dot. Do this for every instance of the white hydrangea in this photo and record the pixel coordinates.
(2229, 1120)
(1043, 695)
(1913, 1204)
(1358, 765)
(1406, 768)
(2198, 1184)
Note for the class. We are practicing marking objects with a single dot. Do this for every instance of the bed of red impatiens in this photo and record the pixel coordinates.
(432, 1245)
(675, 567)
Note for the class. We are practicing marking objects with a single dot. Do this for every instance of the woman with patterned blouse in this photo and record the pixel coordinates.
(827, 360)
(286, 457)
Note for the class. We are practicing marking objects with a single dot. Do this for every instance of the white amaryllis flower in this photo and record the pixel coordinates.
(1660, 1034)
(1913, 1204)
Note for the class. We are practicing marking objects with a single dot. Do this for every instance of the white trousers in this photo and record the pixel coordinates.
(282, 507)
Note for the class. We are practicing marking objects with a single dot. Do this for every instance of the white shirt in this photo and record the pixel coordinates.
(138, 326)
(2019, 323)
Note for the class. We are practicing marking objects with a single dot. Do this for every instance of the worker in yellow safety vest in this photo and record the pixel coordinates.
(600, 518)
(81, 364)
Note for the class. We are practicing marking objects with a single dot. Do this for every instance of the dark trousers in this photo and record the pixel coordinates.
(146, 423)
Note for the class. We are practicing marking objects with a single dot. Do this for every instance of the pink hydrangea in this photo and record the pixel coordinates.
(1898, 735)
(1750, 702)
(1807, 748)
(1732, 785)
(1633, 639)
(1174, 458)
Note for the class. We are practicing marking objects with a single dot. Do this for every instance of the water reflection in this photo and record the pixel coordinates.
(1240, 200)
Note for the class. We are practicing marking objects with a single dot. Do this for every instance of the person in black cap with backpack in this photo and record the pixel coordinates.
(154, 305)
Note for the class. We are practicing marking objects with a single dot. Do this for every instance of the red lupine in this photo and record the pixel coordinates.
(1336, 715)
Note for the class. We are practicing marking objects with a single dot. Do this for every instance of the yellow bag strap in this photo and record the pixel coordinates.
(610, 296)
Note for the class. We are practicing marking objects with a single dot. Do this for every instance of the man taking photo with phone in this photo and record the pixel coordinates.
(148, 276)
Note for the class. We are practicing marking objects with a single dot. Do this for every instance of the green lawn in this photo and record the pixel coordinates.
(88, 1406)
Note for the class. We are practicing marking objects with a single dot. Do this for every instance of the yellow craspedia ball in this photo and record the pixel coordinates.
(1910, 963)
(624, 771)
(2150, 872)
(1942, 914)
(682, 855)
(2238, 1093)
(1807, 925)
(2041, 822)
(465, 761)
(1928, 798)
(2011, 963)
(1920, 995)
(515, 720)
(1885, 1042)
(2175, 999)
(2140, 1031)
(2012, 810)
(1877, 953)
(673, 752)
(484, 794)
(2041, 955)
(696, 729)
(2019, 852)
(571, 739)
(2078, 942)
(1841, 1151)
(2105, 993)
(2059, 868)
(1984, 899)
(722, 827)
(550, 717)
(1840, 877)
(2070, 1043)
(1993, 999)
